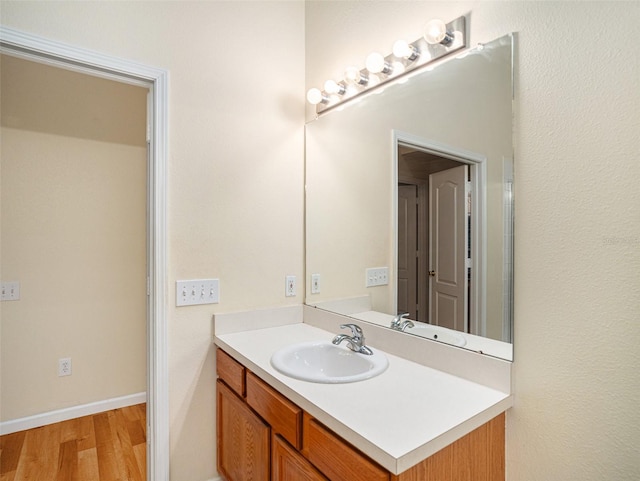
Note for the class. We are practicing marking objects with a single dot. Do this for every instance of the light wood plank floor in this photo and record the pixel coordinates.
(108, 446)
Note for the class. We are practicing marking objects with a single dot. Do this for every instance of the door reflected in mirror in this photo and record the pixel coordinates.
(418, 180)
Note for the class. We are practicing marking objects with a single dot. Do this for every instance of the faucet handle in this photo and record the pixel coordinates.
(355, 329)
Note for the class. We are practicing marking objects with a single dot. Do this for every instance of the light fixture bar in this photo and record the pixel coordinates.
(417, 54)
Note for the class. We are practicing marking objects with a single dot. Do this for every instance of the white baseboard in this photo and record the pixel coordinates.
(37, 420)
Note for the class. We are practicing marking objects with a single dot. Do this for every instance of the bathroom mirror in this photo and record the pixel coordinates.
(409, 203)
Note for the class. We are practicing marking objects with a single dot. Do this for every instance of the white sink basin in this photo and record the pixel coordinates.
(438, 333)
(323, 362)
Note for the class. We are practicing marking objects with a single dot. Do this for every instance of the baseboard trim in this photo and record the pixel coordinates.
(38, 420)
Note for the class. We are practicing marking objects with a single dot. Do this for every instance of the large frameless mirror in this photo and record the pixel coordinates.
(409, 207)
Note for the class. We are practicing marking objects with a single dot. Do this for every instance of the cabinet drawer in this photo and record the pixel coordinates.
(231, 372)
(335, 458)
(284, 417)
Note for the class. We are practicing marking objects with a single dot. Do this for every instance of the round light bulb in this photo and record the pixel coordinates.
(436, 32)
(332, 87)
(353, 75)
(314, 96)
(398, 68)
(403, 49)
(375, 63)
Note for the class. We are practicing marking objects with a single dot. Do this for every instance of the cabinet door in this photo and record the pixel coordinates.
(289, 465)
(243, 439)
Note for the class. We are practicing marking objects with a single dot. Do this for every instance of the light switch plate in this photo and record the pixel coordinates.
(197, 291)
(10, 291)
(377, 276)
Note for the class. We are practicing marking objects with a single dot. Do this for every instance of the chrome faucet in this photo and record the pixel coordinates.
(399, 324)
(356, 340)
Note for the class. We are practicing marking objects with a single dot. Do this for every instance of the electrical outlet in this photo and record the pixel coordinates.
(290, 286)
(197, 291)
(377, 276)
(10, 291)
(64, 366)
(315, 283)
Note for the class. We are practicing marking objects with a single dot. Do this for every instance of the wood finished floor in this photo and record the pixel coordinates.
(108, 446)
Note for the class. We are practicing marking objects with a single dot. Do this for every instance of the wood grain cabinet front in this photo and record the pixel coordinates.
(263, 436)
(284, 417)
(335, 458)
(231, 372)
(243, 439)
(288, 464)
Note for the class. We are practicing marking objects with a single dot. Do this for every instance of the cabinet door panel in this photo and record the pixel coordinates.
(338, 460)
(243, 439)
(289, 465)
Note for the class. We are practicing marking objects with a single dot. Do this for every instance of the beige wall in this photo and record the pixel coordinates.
(235, 205)
(72, 225)
(577, 238)
(236, 117)
(73, 234)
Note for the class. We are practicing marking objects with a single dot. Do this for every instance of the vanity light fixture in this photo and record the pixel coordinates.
(355, 76)
(334, 88)
(435, 32)
(315, 97)
(376, 63)
(403, 49)
(439, 40)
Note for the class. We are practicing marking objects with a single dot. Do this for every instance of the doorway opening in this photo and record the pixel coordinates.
(37, 49)
(438, 195)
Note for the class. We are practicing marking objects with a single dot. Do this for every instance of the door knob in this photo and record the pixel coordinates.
(432, 273)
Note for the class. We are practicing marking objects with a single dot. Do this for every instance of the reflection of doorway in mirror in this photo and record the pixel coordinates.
(449, 258)
(439, 225)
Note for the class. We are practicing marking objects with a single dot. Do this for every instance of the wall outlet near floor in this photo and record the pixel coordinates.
(377, 276)
(64, 366)
(197, 291)
(290, 286)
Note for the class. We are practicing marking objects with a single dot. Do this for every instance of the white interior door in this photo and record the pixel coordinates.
(407, 249)
(448, 303)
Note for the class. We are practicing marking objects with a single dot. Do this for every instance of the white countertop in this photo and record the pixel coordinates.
(398, 418)
(502, 350)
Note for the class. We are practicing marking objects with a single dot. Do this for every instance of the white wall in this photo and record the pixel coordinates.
(577, 238)
(236, 194)
(236, 118)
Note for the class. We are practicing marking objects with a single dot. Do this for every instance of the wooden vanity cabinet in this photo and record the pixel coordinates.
(289, 465)
(263, 436)
(243, 439)
(335, 458)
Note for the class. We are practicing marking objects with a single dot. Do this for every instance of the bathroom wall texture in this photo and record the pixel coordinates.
(577, 230)
(72, 223)
(236, 193)
(235, 166)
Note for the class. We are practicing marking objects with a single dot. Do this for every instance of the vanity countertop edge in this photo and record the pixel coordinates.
(421, 410)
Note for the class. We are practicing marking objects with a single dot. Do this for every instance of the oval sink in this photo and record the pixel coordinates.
(437, 333)
(324, 362)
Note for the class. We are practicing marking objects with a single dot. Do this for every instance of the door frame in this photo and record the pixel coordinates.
(38, 49)
(478, 166)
